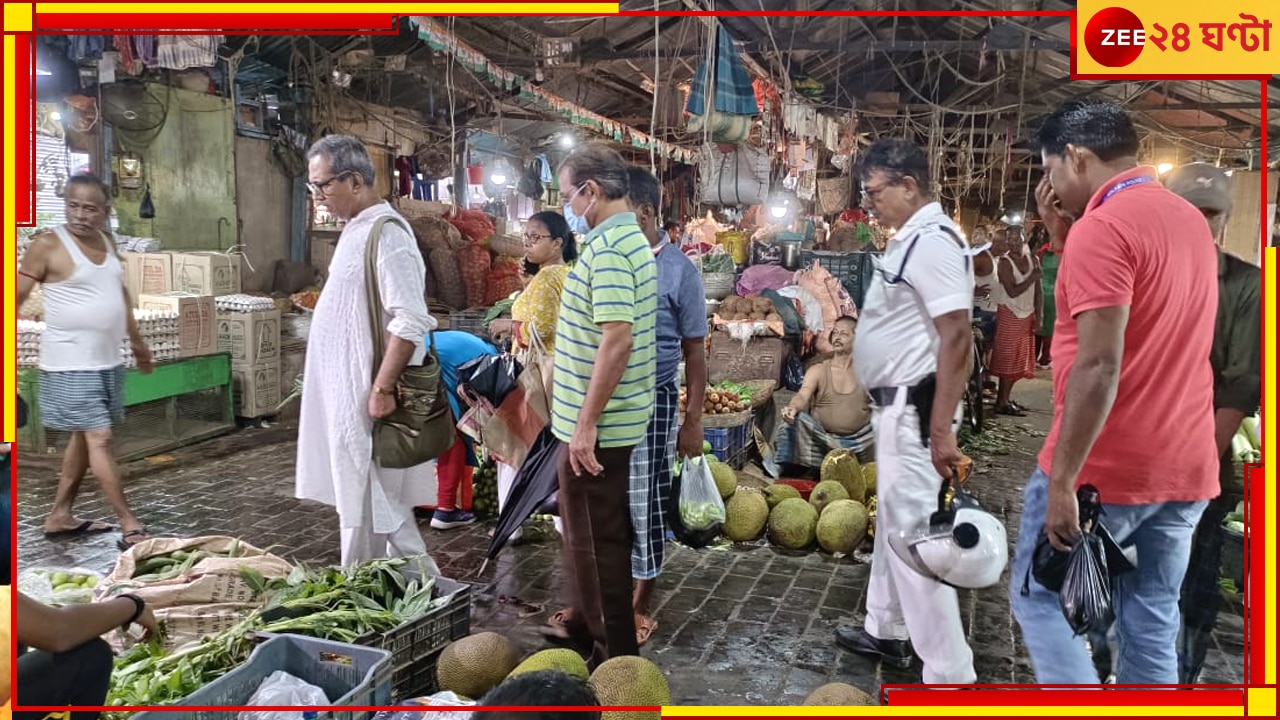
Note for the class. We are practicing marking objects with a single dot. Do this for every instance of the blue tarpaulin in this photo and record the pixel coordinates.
(734, 95)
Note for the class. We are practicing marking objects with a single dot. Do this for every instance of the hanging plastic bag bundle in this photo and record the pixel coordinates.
(701, 511)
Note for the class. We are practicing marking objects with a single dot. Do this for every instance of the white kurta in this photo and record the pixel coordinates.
(335, 436)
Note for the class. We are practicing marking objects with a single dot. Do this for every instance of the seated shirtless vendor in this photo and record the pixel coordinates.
(831, 411)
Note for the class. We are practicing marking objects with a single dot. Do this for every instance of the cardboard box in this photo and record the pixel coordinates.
(250, 338)
(147, 273)
(197, 320)
(206, 273)
(255, 390)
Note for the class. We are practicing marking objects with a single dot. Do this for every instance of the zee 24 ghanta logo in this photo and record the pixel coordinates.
(1115, 37)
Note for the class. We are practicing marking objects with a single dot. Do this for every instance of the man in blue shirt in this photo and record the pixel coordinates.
(682, 334)
(455, 348)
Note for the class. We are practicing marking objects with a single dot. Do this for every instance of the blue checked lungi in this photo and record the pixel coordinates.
(81, 400)
(651, 484)
(806, 443)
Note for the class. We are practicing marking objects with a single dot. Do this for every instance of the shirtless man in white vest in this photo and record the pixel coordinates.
(87, 314)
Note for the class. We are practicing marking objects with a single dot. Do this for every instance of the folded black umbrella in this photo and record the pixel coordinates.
(491, 377)
(537, 480)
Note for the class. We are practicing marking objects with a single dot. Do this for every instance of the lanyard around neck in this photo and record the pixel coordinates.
(1123, 185)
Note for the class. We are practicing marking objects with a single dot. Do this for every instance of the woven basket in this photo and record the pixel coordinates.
(724, 420)
(718, 286)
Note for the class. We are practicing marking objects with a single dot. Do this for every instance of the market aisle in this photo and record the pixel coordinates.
(737, 626)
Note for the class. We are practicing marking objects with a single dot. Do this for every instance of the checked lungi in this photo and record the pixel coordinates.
(81, 400)
(1014, 355)
(806, 443)
(651, 483)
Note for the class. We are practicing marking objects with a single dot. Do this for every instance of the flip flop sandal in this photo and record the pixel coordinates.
(124, 544)
(645, 626)
(1011, 410)
(88, 527)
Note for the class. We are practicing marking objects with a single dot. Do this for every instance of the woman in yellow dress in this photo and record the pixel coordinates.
(549, 251)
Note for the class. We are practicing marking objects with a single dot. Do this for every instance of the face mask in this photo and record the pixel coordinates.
(577, 223)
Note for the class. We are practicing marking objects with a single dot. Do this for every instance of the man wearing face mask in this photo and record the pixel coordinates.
(1137, 294)
(912, 352)
(604, 396)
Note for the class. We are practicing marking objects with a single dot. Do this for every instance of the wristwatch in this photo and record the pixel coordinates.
(384, 391)
(137, 611)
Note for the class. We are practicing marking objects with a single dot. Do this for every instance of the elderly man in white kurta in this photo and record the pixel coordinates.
(340, 396)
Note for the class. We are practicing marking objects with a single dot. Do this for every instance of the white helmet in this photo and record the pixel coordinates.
(961, 545)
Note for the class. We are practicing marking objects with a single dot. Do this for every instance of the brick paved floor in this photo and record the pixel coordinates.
(740, 625)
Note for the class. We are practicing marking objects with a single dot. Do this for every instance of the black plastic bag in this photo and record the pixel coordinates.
(1086, 589)
(147, 209)
(793, 373)
(1049, 566)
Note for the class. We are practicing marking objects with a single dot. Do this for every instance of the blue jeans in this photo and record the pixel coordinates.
(1145, 600)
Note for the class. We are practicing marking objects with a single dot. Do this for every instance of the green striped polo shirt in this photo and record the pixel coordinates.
(614, 280)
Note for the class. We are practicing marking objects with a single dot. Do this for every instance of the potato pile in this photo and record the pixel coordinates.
(717, 402)
(753, 308)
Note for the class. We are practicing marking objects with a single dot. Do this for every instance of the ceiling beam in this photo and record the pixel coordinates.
(860, 45)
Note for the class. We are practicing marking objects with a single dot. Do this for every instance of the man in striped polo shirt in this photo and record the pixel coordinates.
(605, 365)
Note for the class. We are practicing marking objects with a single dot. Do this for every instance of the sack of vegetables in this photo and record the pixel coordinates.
(196, 586)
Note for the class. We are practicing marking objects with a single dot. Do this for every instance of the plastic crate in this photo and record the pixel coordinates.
(852, 269)
(729, 445)
(416, 645)
(351, 675)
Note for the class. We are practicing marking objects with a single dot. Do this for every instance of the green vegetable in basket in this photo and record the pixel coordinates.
(342, 604)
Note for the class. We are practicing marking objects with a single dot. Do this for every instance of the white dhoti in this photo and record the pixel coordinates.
(901, 603)
(335, 433)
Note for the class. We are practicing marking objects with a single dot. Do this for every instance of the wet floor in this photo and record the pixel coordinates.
(737, 625)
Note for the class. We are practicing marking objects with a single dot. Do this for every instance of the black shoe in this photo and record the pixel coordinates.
(857, 640)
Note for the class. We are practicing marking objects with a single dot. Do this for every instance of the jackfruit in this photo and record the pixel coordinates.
(825, 493)
(726, 479)
(792, 524)
(838, 695)
(628, 680)
(746, 514)
(869, 478)
(474, 665)
(842, 466)
(778, 492)
(842, 526)
(563, 659)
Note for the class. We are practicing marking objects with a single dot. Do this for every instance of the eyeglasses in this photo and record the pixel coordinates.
(872, 193)
(322, 188)
(534, 238)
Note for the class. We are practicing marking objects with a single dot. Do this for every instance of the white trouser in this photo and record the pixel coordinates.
(507, 478)
(901, 603)
(361, 543)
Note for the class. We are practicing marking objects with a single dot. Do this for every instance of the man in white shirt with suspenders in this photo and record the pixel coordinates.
(912, 352)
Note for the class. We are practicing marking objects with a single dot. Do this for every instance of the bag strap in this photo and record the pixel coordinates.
(373, 299)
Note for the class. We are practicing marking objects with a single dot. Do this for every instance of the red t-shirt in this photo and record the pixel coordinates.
(1149, 249)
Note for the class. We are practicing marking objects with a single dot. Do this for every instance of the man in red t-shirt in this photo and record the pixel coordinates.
(1137, 296)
